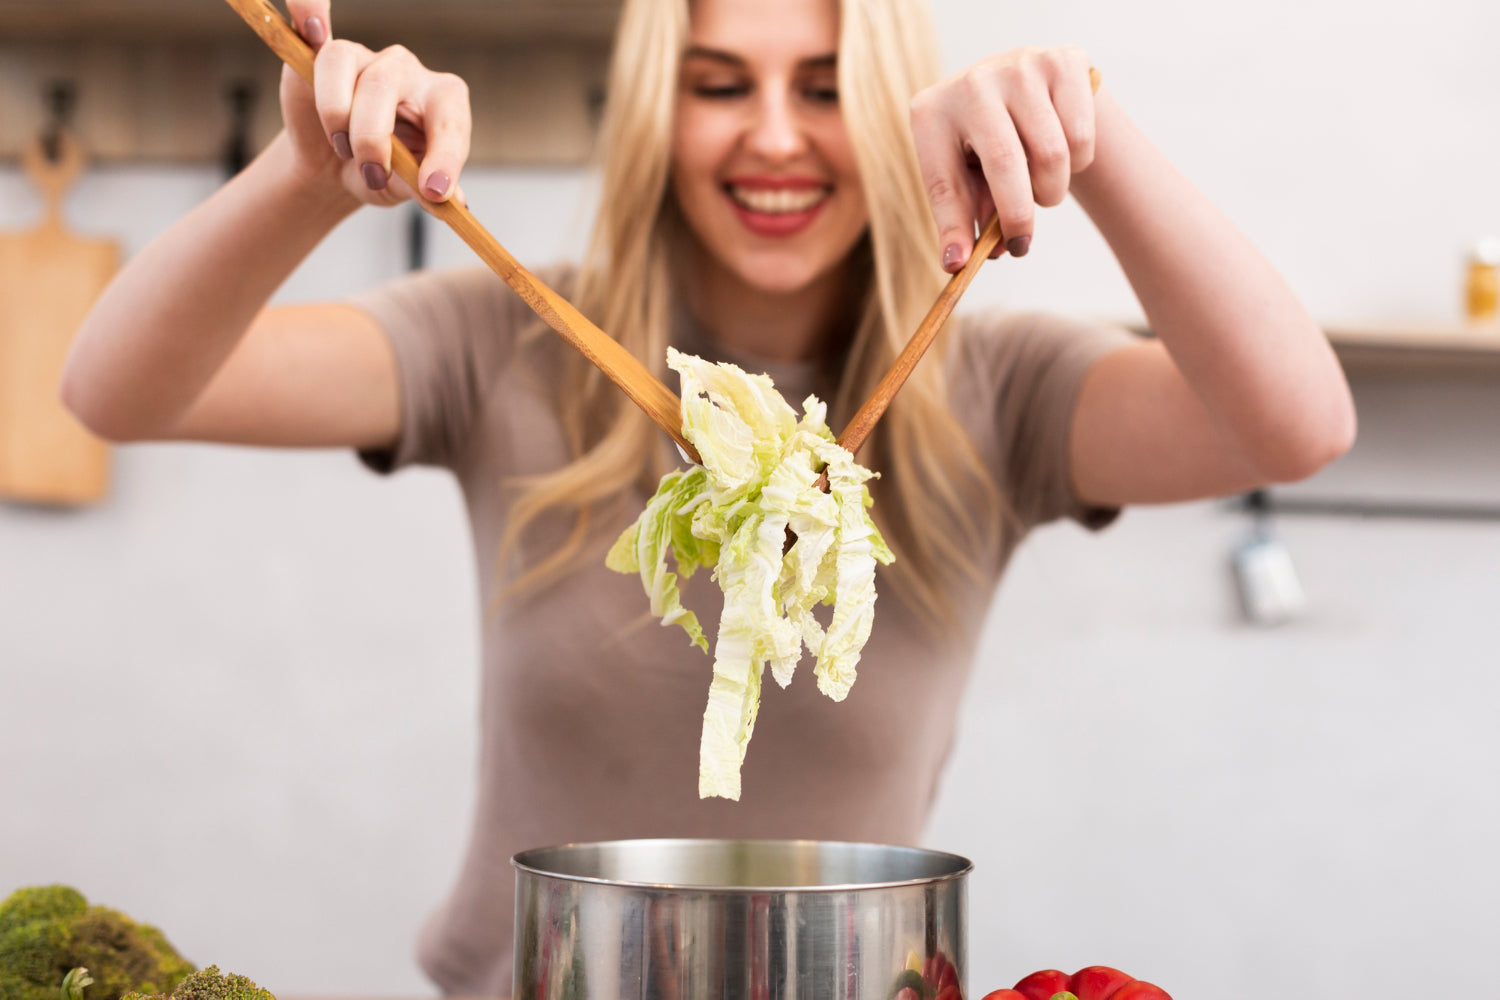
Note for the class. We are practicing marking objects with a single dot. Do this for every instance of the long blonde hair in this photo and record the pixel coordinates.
(934, 502)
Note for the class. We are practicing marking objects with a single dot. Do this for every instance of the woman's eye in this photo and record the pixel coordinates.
(822, 95)
(720, 91)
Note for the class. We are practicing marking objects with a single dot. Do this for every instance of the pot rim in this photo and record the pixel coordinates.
(527, 861)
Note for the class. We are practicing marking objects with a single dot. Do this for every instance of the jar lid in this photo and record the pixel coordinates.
(1487, 251)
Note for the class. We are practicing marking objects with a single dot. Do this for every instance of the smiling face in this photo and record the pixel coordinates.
(761, 163)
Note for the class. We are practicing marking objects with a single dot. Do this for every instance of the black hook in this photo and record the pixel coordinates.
(241, 95)
(61, 95)
(595, 99)
(416, 239)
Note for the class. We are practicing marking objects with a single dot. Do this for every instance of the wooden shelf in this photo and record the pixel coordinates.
(1436, 348)
(153, 80)
(368, 20)
(1441, 347)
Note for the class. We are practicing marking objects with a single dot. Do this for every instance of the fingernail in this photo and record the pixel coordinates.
(1018, 246)
(341, 147)
(437, 185)
(315, 31)
(953, 257)
(374, 176)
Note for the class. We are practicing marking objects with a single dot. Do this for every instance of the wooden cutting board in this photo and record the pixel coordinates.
(49, 278)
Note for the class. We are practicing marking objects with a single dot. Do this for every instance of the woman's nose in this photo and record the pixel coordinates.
(775, 131)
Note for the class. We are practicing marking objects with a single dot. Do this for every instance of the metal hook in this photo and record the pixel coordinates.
(241, 95)
(61, 96)
(416, 239)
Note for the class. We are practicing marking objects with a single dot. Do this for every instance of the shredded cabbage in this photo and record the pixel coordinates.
(733, 512)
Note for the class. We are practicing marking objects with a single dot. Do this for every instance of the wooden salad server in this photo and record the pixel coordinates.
(618, 364)
(621, 367)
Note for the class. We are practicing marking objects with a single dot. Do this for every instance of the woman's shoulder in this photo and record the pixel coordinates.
(467, 311)
(458, 336)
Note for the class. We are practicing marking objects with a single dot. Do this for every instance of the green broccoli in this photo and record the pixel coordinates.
(210, 984)
(47, 931)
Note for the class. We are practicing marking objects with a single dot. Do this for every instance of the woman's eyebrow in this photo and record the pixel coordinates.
(730, 59)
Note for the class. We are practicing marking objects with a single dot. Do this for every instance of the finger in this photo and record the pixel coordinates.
(945, 176)
(313, 20)
(456, 195)
(334, 74)
(1048, 159)
(1002, 157)
(1073, 98)
(378, 92)
(985, 205)
(447, 126)
(293, 89)
(299, 110)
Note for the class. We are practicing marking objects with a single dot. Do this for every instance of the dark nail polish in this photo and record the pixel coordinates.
(953, 257)
(437, 185)
(375, 176)
(341, 147)
(1018, 246)
(315, 31)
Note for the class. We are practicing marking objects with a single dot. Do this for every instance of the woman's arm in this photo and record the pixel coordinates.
(1241, 387)
(181, 344)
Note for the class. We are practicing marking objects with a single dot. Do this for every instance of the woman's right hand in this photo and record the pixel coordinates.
(341, 129)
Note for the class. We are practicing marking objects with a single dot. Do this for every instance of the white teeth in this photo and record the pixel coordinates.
(777, 201)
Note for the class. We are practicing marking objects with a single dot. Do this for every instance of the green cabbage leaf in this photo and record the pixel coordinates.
(757, 483)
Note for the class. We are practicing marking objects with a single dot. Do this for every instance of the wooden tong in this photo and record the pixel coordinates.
(618, 364)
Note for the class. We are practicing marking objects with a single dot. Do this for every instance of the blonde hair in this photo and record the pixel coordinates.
(934, 502)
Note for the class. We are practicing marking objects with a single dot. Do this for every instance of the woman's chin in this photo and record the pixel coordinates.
(779, 277)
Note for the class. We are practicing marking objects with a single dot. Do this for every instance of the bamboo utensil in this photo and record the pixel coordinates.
(618, 364)
(622, 367)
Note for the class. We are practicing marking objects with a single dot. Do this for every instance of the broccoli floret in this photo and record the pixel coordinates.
(34, 953)
(46, 931)
(211, 984)
(40, 903)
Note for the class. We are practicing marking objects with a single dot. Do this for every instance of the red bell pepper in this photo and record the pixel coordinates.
(1141, 990)
(1097, 982)
(1043, 985)
(1094, 982)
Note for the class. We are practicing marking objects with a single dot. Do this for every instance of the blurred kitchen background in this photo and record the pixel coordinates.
(1236, 755)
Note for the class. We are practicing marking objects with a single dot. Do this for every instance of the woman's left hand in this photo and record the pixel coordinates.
(1003, 136)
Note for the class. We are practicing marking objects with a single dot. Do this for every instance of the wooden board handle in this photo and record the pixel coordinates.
(618, 364)
(53, 178)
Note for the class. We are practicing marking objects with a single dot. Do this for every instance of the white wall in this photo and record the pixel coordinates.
(250, 676)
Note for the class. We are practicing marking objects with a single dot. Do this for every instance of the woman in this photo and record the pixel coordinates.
(772, 173)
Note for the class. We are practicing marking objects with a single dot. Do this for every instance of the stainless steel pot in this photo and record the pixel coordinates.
(737, 920)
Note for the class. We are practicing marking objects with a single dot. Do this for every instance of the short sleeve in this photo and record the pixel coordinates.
(1015, 380)
(452, 333)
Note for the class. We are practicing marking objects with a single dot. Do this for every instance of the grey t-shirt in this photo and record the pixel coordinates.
(590, 712)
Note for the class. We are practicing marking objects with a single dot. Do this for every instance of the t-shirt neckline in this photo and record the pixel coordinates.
(795, 380)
